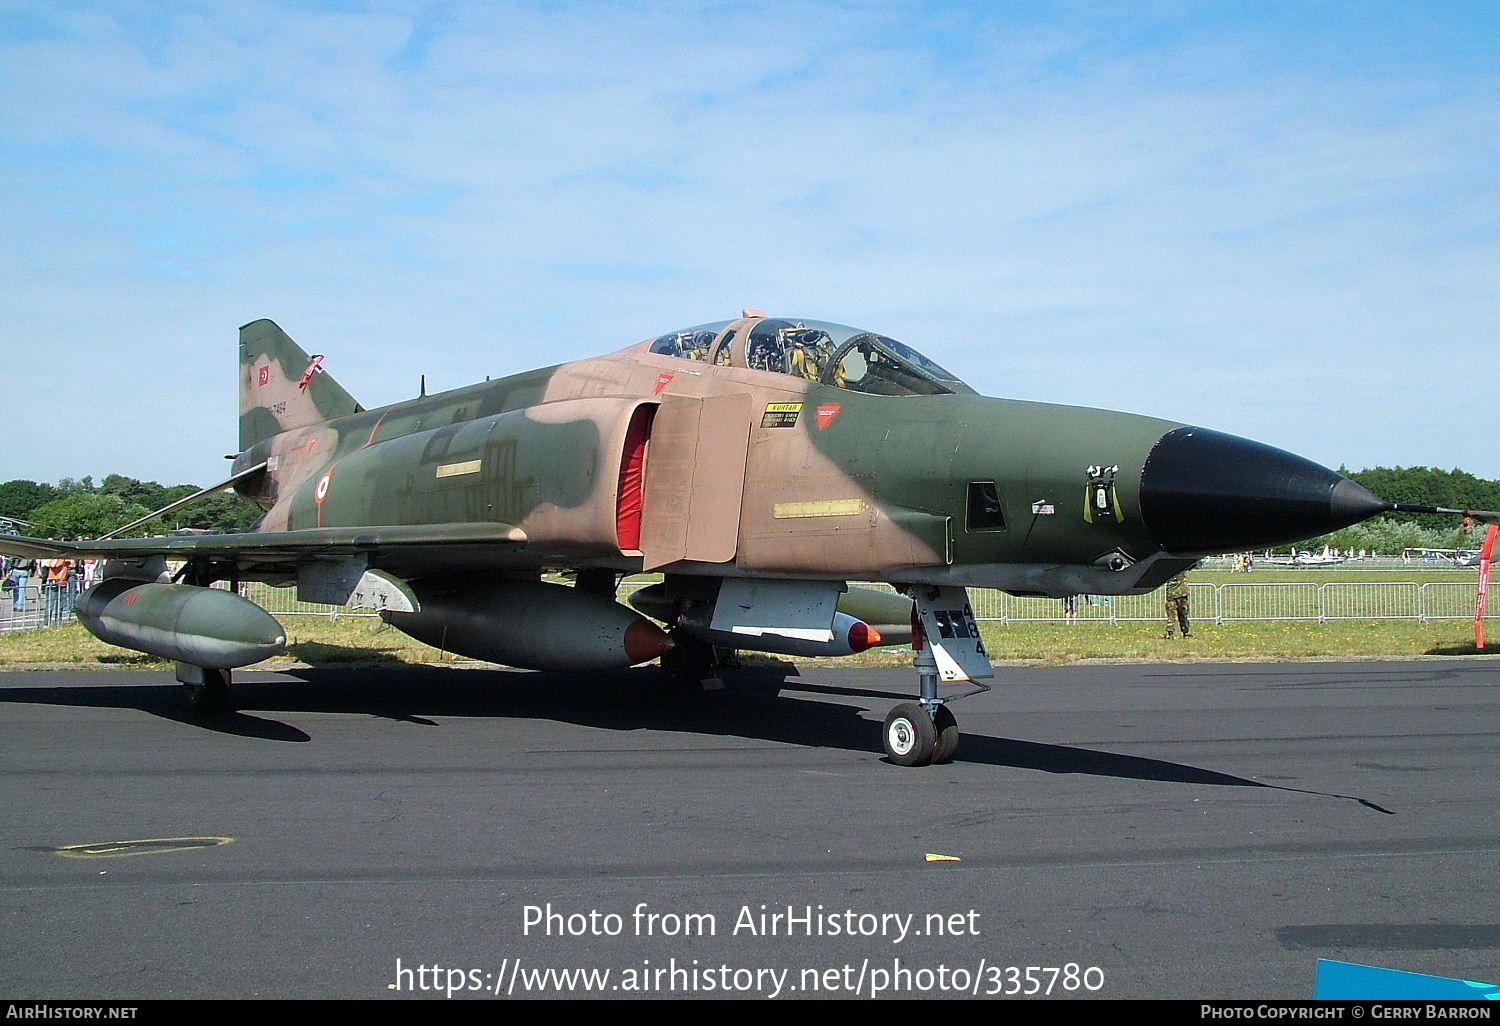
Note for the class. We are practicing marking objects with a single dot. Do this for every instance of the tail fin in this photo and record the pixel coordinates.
(281, 387)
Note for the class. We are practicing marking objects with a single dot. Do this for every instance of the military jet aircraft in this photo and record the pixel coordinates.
(758, 464)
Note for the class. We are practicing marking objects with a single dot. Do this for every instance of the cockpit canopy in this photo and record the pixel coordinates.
(834, 354)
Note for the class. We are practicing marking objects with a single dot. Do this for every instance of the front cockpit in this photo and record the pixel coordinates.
(833, 354)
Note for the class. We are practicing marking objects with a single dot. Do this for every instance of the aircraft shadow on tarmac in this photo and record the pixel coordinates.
(760, 703)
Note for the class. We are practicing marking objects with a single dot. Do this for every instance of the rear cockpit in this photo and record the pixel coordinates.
(833, 354)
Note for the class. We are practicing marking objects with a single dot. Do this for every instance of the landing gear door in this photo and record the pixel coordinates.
(952, 634)
(695, 480)
(789, 609)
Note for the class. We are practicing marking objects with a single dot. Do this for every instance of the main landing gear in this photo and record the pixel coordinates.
(691, 663)
(944, 634)
(207, 690)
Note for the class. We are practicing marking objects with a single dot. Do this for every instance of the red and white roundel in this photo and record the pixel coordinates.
(321, 492)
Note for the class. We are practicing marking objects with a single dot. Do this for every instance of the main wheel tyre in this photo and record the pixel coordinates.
(946, 726)
(909, 735)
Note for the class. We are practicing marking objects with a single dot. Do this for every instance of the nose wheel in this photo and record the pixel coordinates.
(946, 726)
(910, 738)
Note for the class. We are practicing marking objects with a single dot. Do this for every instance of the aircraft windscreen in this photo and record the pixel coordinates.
(846, 357)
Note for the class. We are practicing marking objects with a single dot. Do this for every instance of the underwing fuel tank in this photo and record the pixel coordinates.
(199, 626)
(529, 624)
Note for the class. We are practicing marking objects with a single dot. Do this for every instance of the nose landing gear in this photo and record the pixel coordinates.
(948, 648)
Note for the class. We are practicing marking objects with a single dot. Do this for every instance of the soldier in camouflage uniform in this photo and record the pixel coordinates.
(1177, 605)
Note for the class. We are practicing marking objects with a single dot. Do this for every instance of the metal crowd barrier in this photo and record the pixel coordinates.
(1226, 603)
(1221, 603)
(33, 612)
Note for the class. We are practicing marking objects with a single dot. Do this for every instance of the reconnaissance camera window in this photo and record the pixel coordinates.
(984, 512)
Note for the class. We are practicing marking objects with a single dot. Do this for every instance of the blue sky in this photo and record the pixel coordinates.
(1274, 219)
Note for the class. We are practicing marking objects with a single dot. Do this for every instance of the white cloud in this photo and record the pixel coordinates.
(1155, 214)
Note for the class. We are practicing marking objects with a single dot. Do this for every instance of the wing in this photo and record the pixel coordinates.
(404, 550)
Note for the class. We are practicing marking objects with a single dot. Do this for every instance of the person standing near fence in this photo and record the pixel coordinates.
(75, 583)
(20, 571)
(1177, 605)
(55, 590)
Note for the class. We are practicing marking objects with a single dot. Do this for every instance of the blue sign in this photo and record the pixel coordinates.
(1347, 981)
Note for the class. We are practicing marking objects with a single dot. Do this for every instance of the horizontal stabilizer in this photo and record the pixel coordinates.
(173, 507)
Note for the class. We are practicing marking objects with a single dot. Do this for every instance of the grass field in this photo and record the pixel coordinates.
(1405, 575)
(318, 640)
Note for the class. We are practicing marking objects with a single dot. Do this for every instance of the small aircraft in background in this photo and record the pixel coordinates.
(758, 464)
(1306, 558)
(1455, 557)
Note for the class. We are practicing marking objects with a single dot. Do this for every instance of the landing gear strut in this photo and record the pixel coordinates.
(207, 690)
(919, 733)
(690, 663)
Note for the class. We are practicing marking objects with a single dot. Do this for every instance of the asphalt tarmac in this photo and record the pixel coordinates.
(1132, 831)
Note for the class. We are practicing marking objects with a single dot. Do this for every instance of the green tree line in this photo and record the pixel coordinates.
(1424, 486)
(82, 509)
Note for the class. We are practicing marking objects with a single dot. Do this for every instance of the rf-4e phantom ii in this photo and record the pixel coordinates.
(757, 464)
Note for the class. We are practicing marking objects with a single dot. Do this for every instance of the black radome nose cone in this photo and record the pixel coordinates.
(1204, 492)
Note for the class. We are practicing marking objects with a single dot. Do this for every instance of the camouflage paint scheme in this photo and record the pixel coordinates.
(874, 488)
(758, 449)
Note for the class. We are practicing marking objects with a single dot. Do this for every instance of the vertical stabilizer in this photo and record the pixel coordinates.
(282, 387)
